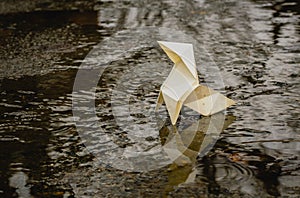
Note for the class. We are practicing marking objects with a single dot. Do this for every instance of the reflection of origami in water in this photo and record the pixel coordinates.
(182, 85)
(194, 141)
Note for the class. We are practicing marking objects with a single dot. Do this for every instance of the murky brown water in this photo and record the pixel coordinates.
(255, 44)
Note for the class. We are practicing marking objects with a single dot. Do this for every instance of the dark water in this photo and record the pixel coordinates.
(255, 44)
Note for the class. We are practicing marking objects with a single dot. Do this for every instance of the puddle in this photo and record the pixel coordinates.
(255, 44)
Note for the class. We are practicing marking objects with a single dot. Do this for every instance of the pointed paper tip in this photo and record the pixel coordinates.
(162, 43)
(230, 102)
(173, 122)
(168, 44)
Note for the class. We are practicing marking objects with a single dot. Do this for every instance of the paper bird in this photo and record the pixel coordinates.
(182, 85)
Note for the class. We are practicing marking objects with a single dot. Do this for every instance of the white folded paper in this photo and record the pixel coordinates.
(182, 85)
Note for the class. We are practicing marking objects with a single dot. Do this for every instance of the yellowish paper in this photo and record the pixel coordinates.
(182, 85)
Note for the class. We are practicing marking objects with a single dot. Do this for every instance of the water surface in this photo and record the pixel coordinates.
(255, 44)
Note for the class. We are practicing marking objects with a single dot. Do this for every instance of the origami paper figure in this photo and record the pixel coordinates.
(182, 85)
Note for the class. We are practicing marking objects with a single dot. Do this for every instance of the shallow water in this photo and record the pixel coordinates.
(255, 46)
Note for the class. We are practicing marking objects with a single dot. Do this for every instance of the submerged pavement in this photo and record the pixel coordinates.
(255, 45)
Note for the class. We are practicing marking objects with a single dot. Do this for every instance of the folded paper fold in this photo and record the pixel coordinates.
(182, 85)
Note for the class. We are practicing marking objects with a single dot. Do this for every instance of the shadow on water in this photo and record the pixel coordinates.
(222, 171)
(193, 142)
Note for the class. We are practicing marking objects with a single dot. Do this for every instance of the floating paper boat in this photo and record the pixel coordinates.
(182, 85)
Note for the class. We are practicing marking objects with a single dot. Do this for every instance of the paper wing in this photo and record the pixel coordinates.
(206, 101)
